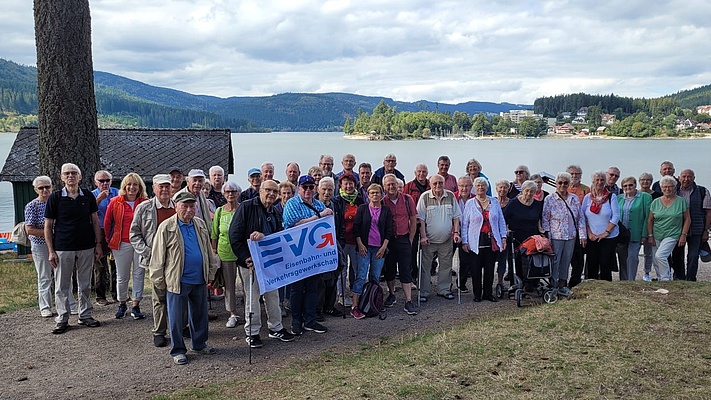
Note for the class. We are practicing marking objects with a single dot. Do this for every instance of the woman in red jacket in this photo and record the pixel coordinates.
(117, 224)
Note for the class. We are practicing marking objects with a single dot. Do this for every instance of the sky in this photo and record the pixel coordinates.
(436, 50)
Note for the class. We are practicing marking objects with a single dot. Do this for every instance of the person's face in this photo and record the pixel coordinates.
(599, 182)
(575, 177)
(421, 174)
(473, 170)
(292, 173)
(437, 185)
(131, 188)
(668, 189)
(612, 176)
(268, 172)
(205, 189)
(479, 188)
(686, 178)
(375, 196)
(443, 167)
(255, 180)
(645, 183)
(527, 194)
(176, 179)
(629, 188)
(43, 191)
(162, 191)
(317, 176)
(326, 165)
(390, 163)
(307, 191)
(348, 186)
(102, 182)
(195, 184)
(231, 195)
(501, 190)
(400, 186)
(390, 186)
(217, 178)
(348, 162)
(667, 170)
(285, 194)
(365, 174)
(268, 193)
(185, 210)
(71, 177)
(561, 186)
(539, 183)
(521, 174)
(325, 192)
(465, 188)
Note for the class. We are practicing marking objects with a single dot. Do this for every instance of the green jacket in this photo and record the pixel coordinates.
(638, 214)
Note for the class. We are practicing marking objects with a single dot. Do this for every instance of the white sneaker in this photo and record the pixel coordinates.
(646, 278)
(46, 313)
(231, 322)
(74, 312)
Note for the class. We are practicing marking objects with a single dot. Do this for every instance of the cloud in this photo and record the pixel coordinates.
(446, 51)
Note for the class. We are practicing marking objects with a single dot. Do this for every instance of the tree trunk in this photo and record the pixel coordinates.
(68, 130)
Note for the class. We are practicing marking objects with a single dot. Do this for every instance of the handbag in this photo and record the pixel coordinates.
(624, 236)
(19, 235)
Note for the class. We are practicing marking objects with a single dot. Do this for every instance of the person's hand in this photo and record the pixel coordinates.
(503, 244)
(249, 262)
(583, 242)
(53, 259)
(424, 241)
(465, 247)
(381, 252)
(98, 252)
(255, 236)
(651, 241)
(456, 238)
(327, 211)
(682, 241)
(362, 250)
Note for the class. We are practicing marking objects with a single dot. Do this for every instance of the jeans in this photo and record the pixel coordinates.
(40, 256)
(304, 297)
(368, 263)
(629, 260)
(563, 250)
(662, 250)
(126, 261)
(693, 244)
(648, 258)
(192, 298)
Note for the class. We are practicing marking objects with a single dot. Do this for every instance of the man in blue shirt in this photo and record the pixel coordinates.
(104, 193)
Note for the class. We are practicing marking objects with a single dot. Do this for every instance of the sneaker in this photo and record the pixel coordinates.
(89, 322)
(356, 313)
(411, 309)
(647, 278)
(60, 328)
(283, 335)
(333, 312)
(46, 313)
(254, 341)
(316, 327)
(101, 302)
(180, 359)
(74, 311)
(159, 341)
(232, 321)
(564, 291)
(390, 301)
(136, 313)
(121, 312)
(464, 289)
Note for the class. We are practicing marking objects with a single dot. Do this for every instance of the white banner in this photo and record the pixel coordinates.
(294, 254)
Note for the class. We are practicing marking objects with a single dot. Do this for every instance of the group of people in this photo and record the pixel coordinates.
(192, 235)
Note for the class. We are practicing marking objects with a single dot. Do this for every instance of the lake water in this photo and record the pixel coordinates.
(499, 157)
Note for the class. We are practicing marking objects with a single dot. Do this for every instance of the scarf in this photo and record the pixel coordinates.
(350, 198)
(595, 205)
(422, 188)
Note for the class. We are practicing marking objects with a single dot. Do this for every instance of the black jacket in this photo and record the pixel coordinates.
(361, 225)
(251, 216)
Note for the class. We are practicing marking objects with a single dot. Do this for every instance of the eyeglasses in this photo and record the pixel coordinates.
(308, 187)
(44, 187)
(437, 183)
(576, 173)
(104, 180)
(563, 183)
(231, 191)
(390, 160)
(519, 172)
(613, 175)
(70, 173)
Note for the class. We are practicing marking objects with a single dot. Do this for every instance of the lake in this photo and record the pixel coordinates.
(498, 157)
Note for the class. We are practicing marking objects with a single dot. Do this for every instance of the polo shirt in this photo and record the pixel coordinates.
(192, 270)
(399, 209)
(438, 215)
(73, 228)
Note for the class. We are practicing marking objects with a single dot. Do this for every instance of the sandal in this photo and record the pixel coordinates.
(180, 359)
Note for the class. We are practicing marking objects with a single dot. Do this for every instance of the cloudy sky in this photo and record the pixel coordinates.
(446, 51)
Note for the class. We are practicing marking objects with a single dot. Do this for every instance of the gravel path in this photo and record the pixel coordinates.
(118, 359)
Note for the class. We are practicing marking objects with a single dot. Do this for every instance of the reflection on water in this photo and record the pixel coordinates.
(7, 208)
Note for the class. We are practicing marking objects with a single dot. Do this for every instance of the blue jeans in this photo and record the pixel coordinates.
(369, 262)
(303, 298)
(194, 299)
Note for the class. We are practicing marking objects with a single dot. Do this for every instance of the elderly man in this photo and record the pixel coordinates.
(438, 214)
(450, 181)
(389, 164)
(365, 173)
(182, 266)
(217, 179)
(73, 236)
(349, 162)
(176, 180)
(267, 170)
(292, 173)
(146, 219)
(611, 177)
(415, 188)
(665, 169)
(576, 187)
(254, 176)
(196, 181)
(699, 202)
(255, 219)
(301, 209)
(399, 257)
(104, 280)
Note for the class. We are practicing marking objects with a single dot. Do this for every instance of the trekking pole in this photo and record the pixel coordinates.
(419, 276)
(251, 282)
(343, 290)
(459, 277)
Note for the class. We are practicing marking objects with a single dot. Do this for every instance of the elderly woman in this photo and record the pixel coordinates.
(221, 246)
(374, 228)
(287, 190)
(34, 224)
(117, 224)
(634, 211)
(521, 175)
(473, 170)
(317, 173)
(502, 188)
(349, 199)
(601, 217)
(667, 226)
(483, 237)
(540, 193)
(563, 222)
(523, 218)
(645, 186)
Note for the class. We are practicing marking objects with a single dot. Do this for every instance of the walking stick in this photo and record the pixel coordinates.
(251, 283)
(343, 290)
(419, 276)
(459, 277)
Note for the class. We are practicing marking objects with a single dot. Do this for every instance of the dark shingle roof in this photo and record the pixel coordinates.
(146, 152)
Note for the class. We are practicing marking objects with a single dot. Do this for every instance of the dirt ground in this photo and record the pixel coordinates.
(118, 359)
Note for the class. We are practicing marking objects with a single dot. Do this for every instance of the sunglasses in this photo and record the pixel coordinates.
(308, 187)
(614, 175)
(563, 183)
(104, 180)
(44, 187)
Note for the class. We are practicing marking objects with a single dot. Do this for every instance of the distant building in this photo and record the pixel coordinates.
(580, 120)
(608, 119)
(565, 129)
(566, 115)
(582, 112)
(703, 109)
(516, 116)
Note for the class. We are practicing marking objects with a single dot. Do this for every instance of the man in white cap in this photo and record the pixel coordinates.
(196, 181)
(146, 219)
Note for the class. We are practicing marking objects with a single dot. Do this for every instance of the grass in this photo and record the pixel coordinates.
(613, 340)
(18, 284)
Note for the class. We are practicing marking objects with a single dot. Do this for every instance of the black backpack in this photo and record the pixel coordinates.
(371, 301)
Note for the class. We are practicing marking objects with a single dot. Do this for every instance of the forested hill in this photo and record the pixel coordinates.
(126, 102)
